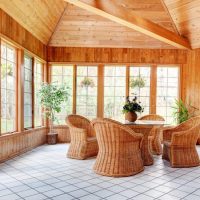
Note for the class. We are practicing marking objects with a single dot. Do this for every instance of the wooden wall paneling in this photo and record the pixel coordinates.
(20, 89)
(153, 89)
(100, 97)
(17, 143)
(19, 36)
(74, 89)
(114, 56)
(63, 133)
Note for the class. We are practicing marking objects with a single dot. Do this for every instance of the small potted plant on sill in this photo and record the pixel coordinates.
(51, 97)
(130, 108)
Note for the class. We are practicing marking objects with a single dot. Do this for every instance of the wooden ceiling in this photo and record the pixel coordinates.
(57, 23)
(80, 28)
(186, 16)
(39, 17)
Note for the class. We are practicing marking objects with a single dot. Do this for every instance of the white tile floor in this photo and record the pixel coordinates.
(46, 173)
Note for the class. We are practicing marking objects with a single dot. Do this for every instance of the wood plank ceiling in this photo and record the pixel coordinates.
(39, 17)
(79, 28)
(186, 16)
(56, 23)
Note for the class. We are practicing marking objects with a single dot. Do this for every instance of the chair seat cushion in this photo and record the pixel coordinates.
(91, 139)
(167, 143)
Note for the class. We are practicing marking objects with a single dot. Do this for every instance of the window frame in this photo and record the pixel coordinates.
(35, 61)
(100, 79)
(26, 54)
(16, 85)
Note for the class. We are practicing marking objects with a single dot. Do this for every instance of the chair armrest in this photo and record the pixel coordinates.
(186, 138)
(78, 134)
(168, 131)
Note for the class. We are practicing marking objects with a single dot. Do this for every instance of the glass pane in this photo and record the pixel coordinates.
(86, 99)
(8, 88)
(63, 75)
(140, 86)
(167, 91)
(114, 91)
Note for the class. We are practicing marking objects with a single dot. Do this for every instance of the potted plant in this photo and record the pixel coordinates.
(181, 113)
(51, 97)
(130, 108)
(137, 82)
(87, 83)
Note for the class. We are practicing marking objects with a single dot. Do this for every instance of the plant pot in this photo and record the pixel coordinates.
(52, 138)
(131, 116)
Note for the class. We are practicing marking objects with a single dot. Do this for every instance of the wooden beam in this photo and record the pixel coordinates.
(120, 15)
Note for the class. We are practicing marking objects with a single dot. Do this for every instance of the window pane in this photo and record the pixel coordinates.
(37, 84)
(86, 98)
(8, 88)
(114, 91)
(140, 86)
(63, 75)
(27, 92)
(167, 91)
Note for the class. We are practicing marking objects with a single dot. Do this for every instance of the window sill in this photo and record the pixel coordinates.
(14, 134)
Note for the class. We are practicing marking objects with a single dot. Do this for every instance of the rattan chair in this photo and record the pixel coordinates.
(180, 144)
(155, 135)
(119, 149)
(83, 140)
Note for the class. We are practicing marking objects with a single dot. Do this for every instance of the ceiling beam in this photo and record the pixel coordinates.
(108, 9)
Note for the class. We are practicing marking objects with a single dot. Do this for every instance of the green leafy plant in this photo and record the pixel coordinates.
(180, 113)
(87, 82)
(137, 82)
(132, 106)
(51, 97)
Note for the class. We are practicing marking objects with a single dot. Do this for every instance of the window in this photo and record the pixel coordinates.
(86, 97)
(167, 91)
(140, 86)
(114, 91)
(38, 79)
(28, 92)
(63, 75)
(8, 88)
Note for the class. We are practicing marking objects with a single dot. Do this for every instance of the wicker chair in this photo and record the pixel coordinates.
(180, 144)
(83, 140)
(155, 135)
(119, 149)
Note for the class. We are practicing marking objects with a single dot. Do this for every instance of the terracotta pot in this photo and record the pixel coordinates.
(131, 116)
(52, 138)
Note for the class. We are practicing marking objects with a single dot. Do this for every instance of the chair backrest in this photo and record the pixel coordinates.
(79, 121)
(112, 134)
(190, 123)
(152, 117)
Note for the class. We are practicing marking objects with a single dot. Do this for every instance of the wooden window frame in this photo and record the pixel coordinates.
(100, 77)
(16, 86)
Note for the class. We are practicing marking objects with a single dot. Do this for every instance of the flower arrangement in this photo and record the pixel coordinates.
(87, 82)
(132, 106)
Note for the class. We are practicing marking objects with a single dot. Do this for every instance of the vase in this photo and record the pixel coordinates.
(131, 116)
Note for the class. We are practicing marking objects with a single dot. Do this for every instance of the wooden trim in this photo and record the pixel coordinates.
(74, 88)
(33, 92)
(127, 79)
(20, 89)
(100, 96)
(0, 83)
(153, 89)
(118, 14)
